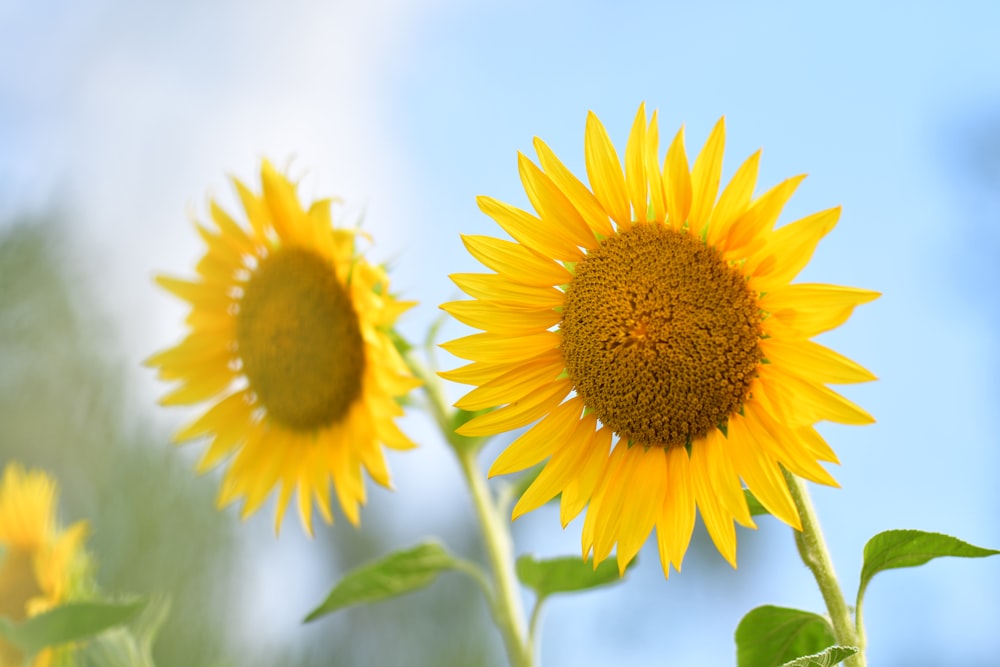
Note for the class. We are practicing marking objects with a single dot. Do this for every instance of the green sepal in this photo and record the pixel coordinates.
(828, 658)
(911, 548)
(565, 575)
(769, 636)
(756, 508)
(398, 573)
(70, 622)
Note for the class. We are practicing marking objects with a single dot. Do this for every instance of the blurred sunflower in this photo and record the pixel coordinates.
(41, 565)
(652, 327)
(291, 339)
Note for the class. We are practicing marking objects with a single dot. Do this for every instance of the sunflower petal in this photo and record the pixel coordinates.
(552, 206)
(705, 177)
(677, 181)
(635, 166)
(538, 443)
(575, 191)
(604, 170)
(549, 240)
(516, 262)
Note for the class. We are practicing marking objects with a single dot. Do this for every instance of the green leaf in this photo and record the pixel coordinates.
(398, 573)
(756, 508)
(828, 658)
(769, 636)
(67, 623)
(910, 548)
(565, 575)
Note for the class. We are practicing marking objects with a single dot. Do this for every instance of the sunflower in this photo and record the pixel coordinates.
(41, 564)
(652, 327)
(291, 340)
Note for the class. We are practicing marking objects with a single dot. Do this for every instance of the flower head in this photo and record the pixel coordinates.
(291, 341)
(41, 564)
(650, 324)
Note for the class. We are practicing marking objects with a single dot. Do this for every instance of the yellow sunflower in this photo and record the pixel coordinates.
(40, 563)
(291, 340)
(650, 323)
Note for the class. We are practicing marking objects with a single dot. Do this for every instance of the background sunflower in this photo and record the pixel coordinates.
(291, 339)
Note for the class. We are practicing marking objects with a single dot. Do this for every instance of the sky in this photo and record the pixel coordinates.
(132, 114)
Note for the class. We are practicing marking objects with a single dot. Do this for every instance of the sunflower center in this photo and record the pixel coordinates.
(299, 340)
(660, 336)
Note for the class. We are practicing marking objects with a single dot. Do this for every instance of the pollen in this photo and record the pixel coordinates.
(660, 335)
(299, 340)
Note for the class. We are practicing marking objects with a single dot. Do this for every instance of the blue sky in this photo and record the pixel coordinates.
(131, 114)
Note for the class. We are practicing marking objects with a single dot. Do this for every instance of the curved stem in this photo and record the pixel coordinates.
(533, 625)
(504, 602)
(500, 551)
(816, 556)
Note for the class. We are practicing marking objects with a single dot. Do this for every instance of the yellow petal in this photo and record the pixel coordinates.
(677, 182)
(228, 413)
(559, 471)
(231, 230)
(705, 177)
(654, 175)
(552, 206)
(538, 443)
(635, 166)
(520, 413)
(782, 444)
(197, 293)
(789, 250)
(282, 203)
(677, 513)
(761, 215)
(644, 498)
(501, 319)
(734, 201)
(503, 348)
(478, 372)
(761, 474)
(814, 402)
(579, 194)
(516, 384)
(604, 170)
(814, 362)
(725, 482)
(198, 389)
(717, 521)
(810, 296)
(578, 492)
(548, 239)
(492, 287)
(516, 262)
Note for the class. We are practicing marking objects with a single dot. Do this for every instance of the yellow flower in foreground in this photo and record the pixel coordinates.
(40, 564)
(290, 338)
(652, 326)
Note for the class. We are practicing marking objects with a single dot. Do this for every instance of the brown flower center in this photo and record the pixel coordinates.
(660, 336)
(299, 340)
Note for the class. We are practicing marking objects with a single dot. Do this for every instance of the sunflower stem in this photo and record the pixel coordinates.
(815, 554)
(505, 599)
(500, 551)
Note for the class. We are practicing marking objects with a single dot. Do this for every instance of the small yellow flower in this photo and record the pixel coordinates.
(290, 339)
(40, 563)
(651, 325)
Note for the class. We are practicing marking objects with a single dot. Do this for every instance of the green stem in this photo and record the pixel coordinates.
(505, 602)
(533, 625)
(816, 556)
(500, 551)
